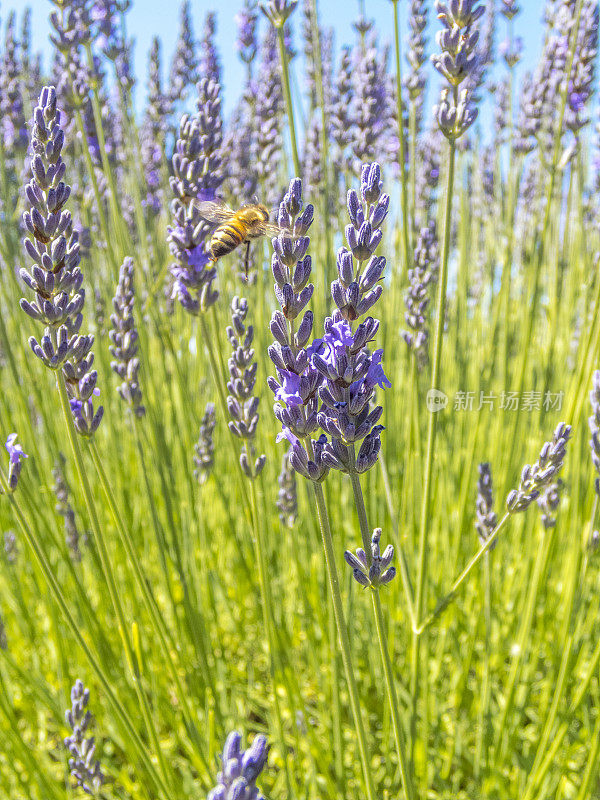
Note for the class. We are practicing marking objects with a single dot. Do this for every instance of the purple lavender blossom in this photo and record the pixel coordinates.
(287, 496)
(340, 113)
(486, 516)
(85, 769)
(54, 276)
(581, 79)
(246, 20)
(536, 478)
(420, 276)
(509, 8)
(197, 175)
(417, 43)
(350, 371)
(456, 62)
(369, 103)
(278, 11)
(241, 404)
(153, 131)
(124, 338)
(16, 455)
(11, 101)
(11, 547)
(209, 66)
(373, 569)
(511, 51)
(184, 66)
(548, 503)
(268, 114)
(297, 380)
(240, 769)
(204, 449)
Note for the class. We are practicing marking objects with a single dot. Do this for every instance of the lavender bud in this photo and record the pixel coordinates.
(373, 570)
(205, 448)
(486, 516)
(536, 478)
(241, 404)
(16, 456)
(240, 769)
(287, 501)
(85, 769)
(278, 11)
(124, 337)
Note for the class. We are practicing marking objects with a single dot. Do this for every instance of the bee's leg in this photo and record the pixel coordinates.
(247, 259)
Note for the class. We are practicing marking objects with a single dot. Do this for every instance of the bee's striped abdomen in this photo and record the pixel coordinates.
(226, 238)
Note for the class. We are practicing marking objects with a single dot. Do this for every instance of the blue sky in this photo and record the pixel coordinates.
(150, 17)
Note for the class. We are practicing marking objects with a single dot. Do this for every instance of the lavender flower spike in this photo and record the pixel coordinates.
(287, 497)
(124, 338)
(486, 516)
(372, 569)
(297, 381)
(242, 406)
(536, 478)
(456, 62)
(204, 449)
(15, 464)
(240, 769)
(197, 174)
(349, 370)
(278, 11)
(84, 768)
(246, 20)
(54, 277)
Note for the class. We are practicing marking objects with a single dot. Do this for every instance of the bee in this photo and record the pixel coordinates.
(236, 227)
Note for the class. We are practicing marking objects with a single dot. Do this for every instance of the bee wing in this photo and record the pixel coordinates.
(270, 229)
(213, 211)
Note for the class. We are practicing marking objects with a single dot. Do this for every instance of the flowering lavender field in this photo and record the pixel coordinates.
(304, 508)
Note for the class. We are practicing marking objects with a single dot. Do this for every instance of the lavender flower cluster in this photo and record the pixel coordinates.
(331, 383)
(196, 176)
(54, 276)
(240, 769)
(85, 768)
(241, 404)
(536, 478)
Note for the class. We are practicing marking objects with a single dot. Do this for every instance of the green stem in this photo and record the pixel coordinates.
(445, 601)
(425, 521)
(288, 98)
(405, 767)
(340, 620)
(402, 150)
(268, 622)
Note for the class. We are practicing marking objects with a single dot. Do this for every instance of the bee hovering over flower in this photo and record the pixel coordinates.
(236, 227)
